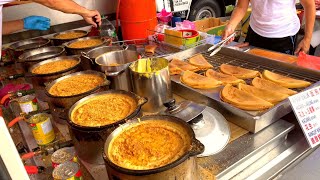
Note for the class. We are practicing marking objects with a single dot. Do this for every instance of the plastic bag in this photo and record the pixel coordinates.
(164, 16)
(308, 61)
(185, 25)
(12, 88)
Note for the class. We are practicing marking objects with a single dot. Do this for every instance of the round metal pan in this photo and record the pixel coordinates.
(95, 137)
(40, 79)
(167, 171)
(57, 41)
(34, 56)
(68, 101)
(77, 51)
(18, 48)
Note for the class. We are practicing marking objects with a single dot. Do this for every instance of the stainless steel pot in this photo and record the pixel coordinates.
(77, 51)
(184, 168)
(39, 80)
(88, 58)
(89, 141)
(68, 101)
(151, 78)
(18, 48)
(119, 74)
(57, 42)
(34, 56)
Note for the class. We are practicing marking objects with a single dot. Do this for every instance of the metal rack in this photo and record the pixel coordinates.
(252, 121)
(219, 59)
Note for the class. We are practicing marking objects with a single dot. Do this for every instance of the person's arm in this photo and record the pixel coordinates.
(30, 22)
(309, 12)
(69, 6)
(237, 15)
(12, 26)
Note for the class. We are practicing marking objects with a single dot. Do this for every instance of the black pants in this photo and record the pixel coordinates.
(284, 45)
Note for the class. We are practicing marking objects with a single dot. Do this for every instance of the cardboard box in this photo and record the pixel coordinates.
(210, 26)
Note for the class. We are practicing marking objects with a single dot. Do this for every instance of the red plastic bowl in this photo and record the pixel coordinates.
(194, 33)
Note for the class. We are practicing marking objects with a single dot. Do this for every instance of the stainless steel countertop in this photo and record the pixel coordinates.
(269, 154)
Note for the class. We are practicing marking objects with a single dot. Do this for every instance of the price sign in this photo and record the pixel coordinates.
(306, 106)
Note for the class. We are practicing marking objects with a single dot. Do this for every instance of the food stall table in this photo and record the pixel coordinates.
(262, 154)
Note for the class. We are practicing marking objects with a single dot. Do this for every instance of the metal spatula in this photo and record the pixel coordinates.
(217, 47)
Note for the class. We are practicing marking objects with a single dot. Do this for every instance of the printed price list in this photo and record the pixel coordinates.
(306, 106)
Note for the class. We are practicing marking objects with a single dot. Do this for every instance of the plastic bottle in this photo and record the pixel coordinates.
(108, 30)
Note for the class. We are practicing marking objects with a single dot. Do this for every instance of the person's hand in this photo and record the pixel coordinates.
(242, 45)
(228, 30)
(36, 23)
(92, 17)
(304, 46)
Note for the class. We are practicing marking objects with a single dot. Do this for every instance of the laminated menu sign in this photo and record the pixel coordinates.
(306, 106)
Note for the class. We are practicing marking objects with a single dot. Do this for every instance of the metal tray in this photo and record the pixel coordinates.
(252, 121)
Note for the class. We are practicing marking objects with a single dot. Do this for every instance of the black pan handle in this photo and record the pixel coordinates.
(15, 76)
(196, 148)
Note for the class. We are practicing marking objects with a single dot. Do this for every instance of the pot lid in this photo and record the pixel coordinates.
(186, 110)
(212, 130)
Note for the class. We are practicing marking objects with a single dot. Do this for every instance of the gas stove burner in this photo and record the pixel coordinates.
(212, 130)
(60, 115)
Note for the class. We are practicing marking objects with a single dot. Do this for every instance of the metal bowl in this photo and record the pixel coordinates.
(77, 51)
(68, 101)
(57, 42)
(18, 48)
(88, 58)
(40, 79)
(34, 56)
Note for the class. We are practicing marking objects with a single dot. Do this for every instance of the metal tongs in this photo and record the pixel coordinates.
(217, 47)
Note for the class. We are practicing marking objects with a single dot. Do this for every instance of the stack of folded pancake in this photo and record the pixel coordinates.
(266, 89)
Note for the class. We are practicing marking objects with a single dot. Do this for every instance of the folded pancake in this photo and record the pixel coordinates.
(270, 96)
(238, 72)
(198, 81)
(242, 99)
(284, 80)
(269, 85)
(183, 65)
(174, 70)
(199, 61)
(224, 78)
(150, 49)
